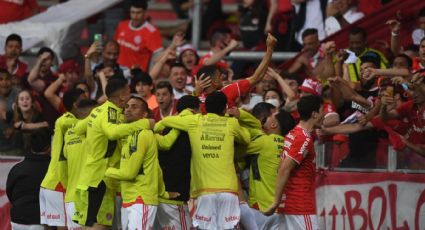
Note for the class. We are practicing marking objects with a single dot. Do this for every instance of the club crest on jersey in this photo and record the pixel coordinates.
(112, 115)
(138, 39)
(122, 34)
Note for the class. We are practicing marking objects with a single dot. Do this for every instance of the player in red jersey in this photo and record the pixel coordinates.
(295, 191)
(139, 40)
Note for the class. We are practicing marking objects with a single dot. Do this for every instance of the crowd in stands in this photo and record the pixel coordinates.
(371, 100)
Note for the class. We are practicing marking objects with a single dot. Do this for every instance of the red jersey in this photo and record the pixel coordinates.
(232, 91)
(417, 65)
(20, 69)
(222, 64)
(137, 44)
(16, 10)
(416, 116)
(157, 115)
(298, 197)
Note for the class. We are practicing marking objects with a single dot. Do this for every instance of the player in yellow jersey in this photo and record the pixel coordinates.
(264, 150)
(74, 155)
(214, 182)
(138, 171)
(95, 198)
(52, 207)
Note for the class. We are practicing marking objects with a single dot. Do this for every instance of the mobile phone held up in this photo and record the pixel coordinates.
(99, 39)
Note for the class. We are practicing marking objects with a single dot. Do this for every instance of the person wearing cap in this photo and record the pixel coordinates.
(10, 59)
(143, 86)
(357, 40)
(188, 56)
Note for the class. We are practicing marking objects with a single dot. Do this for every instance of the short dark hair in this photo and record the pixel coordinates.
(262, 110)
(86, 103)
(307, 105)
(218, 34)
(274, 90)
(422, 12)
(308, 32)
(140, 76)
(187, 102)
(422, 40)
(14, 37)
(177, 64)
(207, 70)
(114, 85)
(139, 4)
(70, 97)
(137, 97)
(216, 103)
(371, 57)
(4, 72)
(358, 30)
(407, 58)
(40, 140)
(44, 50)
(286, 122)
(292, 76)
(164, 84)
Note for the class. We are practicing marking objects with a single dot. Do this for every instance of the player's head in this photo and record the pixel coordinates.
(188, 102)
(13, 46)
(72, 97)
(263, 110)
(137, 12)
(280, 123)
(214, 73)
(40, 141)
(310, 109)
(84, 108)
(136, 108)
(216, 103)
(117, 91)
(164, 94)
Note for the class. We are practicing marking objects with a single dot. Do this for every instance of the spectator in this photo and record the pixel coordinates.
(23, 183)
(188, 56)
(84, 87)
(27, 117)
(273, 97)
(143, 86)
(357, 40)
(140, 42)
(311, 54)
(419, 33)
(71, 71)
(178, 79)
(341, 13)
(17, 10)
(39, 78)
(7, 91)
(10, 60)
(252, 22)
(166, 102)
(419, 62)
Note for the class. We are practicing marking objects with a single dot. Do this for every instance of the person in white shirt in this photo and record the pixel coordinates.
(340, 14)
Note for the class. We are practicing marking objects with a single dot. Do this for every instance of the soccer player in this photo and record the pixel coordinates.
(96, 194)
(295, 190)
(138, 171)
(73, 152)
(264, 150)
(214, 182)
(140, 42)
(52, 210)
(175, 165)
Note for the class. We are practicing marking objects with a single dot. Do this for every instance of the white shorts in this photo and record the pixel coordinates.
(172, 216)
(52, 208)
(295, 222)
(138, 216)
(216, 211)
(16, 226)
(70, 210)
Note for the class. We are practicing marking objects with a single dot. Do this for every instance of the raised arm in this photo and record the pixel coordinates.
(177, 122)
(262, 67)
(88, 58)
(117, 131)
(217, 56)
(290, 94)
(395, 36)
(50, 92)
(37, 84)
(272, 10)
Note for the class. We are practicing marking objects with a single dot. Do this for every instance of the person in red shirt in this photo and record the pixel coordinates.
(17, 10)
(295, 190)
(140, 42)
(210, 79)
(419, 62)
(10, 59)
(166, 103)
